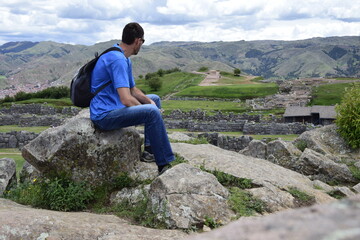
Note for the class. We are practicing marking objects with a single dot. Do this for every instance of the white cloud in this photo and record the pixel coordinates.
(91, 21)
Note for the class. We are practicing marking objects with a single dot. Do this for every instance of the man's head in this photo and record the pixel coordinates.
(133, 34)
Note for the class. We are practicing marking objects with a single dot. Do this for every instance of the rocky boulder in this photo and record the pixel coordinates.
(337, 220)
(255, 149)
(28, 173)
(22, 222)
(184, 196)
(78, 150)
(326, 140)
(282, 153)
(272, 180)
(319, 167)
(7, 174)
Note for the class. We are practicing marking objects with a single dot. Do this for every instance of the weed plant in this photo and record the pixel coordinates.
(244, 204)
(301, 198)
(55, 194)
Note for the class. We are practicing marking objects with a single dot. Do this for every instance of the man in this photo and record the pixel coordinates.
(121, 104)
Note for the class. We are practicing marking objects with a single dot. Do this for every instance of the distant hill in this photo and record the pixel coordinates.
(51, 63)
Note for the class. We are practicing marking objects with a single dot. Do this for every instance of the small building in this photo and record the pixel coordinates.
(317, 115)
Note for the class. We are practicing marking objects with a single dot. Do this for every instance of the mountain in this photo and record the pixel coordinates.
(40, 64)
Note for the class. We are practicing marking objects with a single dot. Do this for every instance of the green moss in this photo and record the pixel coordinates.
(301, 198)
(301, 145)
(244, 204)
(229, 180)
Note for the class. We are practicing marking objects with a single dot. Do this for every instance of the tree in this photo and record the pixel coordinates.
(155, 83)
(237, 72)
(348, 116)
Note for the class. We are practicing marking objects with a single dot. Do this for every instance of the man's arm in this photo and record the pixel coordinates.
(140, 96)
(126, 97)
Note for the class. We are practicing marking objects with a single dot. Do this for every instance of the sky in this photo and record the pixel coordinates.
(91, 21)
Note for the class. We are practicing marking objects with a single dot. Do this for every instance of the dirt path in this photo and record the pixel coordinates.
(210, 79)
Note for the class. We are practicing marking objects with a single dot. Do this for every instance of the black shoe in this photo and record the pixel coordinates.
(164, 169)
(147, 157)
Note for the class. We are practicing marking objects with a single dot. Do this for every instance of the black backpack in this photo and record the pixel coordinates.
(80, 88)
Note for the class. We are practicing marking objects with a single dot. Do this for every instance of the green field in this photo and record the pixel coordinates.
(243, 91)
(9, 128)
(62, 102)
(224, 106)
(2, 81)
(329, 94)
(172, 83)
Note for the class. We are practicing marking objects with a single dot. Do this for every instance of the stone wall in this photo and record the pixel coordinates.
(202, 116)
(28, 115)
(202, 126)
(39, 109)
(32, 120)
(276, 128)
(16, 139)
(227, 142)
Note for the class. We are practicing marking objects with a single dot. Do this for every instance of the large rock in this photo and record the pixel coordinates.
(184, 196)
(282, 153)
(7, 174)
(28, 173)
(21, 222)
(326, 140)
(261, 172)
(322, 168)
(255, 149)
(78, 150)
(338, 220)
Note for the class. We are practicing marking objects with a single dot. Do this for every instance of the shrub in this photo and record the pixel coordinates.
(237, 72)
(203, 69)
(244, 204)
(155, 83)
(55, 194)
(301, 145)
(348, 116)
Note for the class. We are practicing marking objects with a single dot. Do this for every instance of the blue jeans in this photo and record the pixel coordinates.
(155, 132)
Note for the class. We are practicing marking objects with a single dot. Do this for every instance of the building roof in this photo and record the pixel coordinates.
(325, 112)
(295, 111)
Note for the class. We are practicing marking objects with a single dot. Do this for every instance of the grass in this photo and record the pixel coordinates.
(9, 128)
(329, 94)
(172, 83)
(244, 204)
(301, 198)
(224, 106)
(290, 137)
(2, 81)
(62, 102)
(244, 91)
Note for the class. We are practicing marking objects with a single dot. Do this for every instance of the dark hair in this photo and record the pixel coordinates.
(131, 32)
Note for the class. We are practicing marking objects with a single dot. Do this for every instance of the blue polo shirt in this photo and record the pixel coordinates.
(115, 67)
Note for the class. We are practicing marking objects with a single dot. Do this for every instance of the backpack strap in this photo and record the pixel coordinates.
(98, 56)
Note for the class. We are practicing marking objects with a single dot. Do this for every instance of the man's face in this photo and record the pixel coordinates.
(138, 43)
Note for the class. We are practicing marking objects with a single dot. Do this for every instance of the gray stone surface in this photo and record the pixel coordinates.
(262, 172)
(184, 196)
(256, 148)
(283, 153)
(21, 222)
(326, 140)
(7, 174)
(28, 173)
(337, 220)
(322, 168)
(84, 153)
